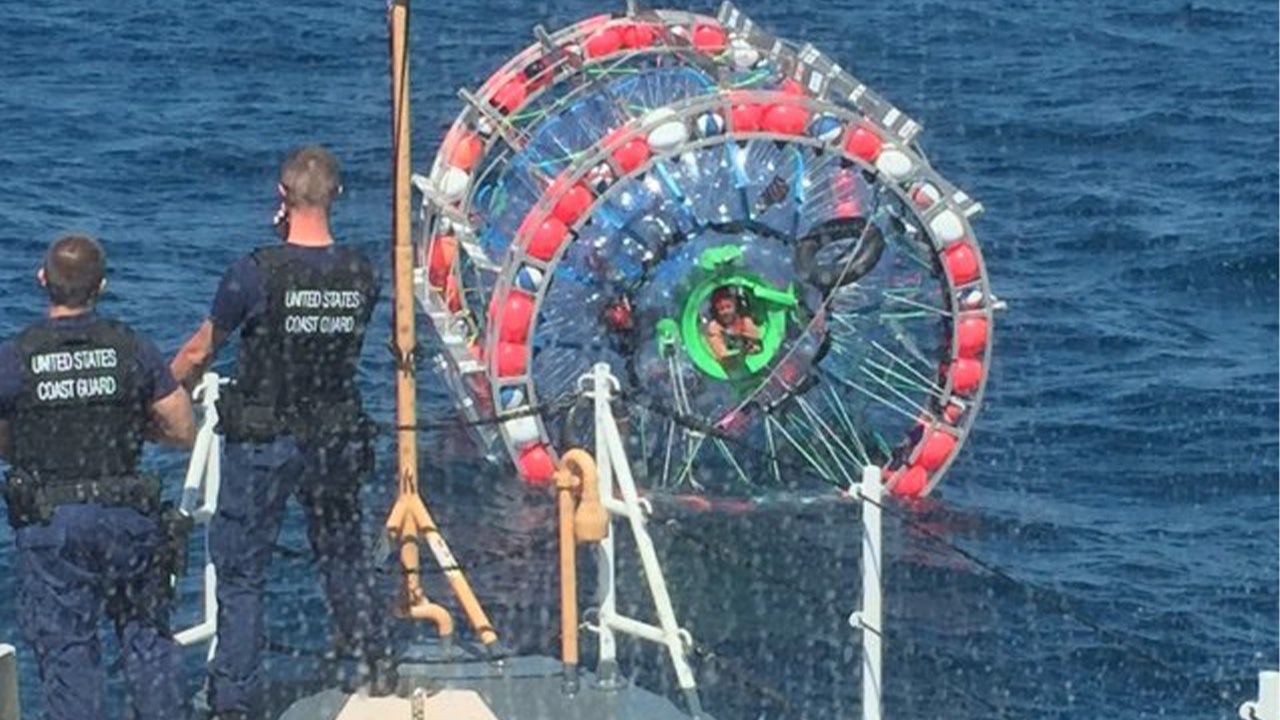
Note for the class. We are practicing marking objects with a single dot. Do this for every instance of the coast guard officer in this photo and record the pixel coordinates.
(78, 393)
(293, 424)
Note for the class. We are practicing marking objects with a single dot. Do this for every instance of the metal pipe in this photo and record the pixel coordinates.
(567, 482)
(1267, 706)
(9, 705)
(409, 521)
(607, 669)
(636, 628)
(200, 503)
(871, 617)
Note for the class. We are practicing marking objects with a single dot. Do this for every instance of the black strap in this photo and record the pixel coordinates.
(140, 492)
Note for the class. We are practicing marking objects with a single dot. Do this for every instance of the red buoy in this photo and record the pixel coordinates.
(573, 204)
(847, 209)
(465, 150)
(511, 95)
(961, 262)
(631, 155)
(971, 336)
(603, 43)
(953, 412)
(791, 86)
(936, 448)
(517, 316)
(710, 39)
(536, 466)
(966, 375)
(639, 35)
(444, 253)
(548, 238)
(746, 117)
(910, 482)
(510, 359)
(863, 143)
(452, 295)
(785, 119)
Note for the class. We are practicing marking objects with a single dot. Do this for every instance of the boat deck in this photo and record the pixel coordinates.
(463, 685)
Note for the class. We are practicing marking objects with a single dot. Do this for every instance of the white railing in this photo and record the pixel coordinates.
(1267, 706)
(9, 709)
(200, 502)
(870, 619)
(613, 475)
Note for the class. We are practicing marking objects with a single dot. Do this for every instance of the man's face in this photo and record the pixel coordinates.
(726, 311)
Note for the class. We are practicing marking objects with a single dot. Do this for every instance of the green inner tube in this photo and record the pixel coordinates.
(773, 326)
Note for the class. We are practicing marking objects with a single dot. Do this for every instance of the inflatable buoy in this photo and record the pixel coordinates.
(746, 117)
(894, 163)
(548, 238)
(573, 204)
(863, 143)
(536, 465)
(639, 35)
(709, 39)
(947, 227)
(510, 96)
(961, 263)
(606, 42)
(785, 119)
(971, 336)
(528, 279)
(517, 314)
(710, 124)
(631, 155)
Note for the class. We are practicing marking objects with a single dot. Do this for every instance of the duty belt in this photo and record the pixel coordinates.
(141, 492)
(33, 500)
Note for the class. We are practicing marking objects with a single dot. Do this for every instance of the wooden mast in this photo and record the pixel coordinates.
(409, 522)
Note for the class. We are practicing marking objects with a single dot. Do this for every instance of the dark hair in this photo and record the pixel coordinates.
(74, 267)
(310, 177)
(724, 292)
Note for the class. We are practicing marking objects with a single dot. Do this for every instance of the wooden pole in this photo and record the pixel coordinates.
(409, 522)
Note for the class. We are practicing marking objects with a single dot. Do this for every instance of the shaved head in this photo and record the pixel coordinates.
(310, 177)
(74, 267)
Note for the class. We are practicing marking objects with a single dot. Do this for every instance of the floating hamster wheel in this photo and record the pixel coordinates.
(604, 185)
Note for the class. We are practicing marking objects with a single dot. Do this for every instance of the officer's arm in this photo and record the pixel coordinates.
(193, 359)
(172, 422)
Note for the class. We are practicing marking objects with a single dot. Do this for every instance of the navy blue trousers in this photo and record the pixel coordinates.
(86, 557)
(257, 480)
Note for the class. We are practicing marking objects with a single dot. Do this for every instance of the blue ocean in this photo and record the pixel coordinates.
(1106, 546)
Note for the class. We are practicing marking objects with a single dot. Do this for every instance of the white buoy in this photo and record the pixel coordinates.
(452, 183)
(972, 300)
(668, 136)
(511, 397)
(522, 430)
(947, 227)
(710, 124)
(742, 54)
(529, 279)
(827, 128)
(893, 163)
(925, 195)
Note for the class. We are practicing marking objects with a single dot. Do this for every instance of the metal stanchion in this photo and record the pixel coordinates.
(9, 683)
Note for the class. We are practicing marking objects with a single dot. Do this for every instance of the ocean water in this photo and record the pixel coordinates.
(1122, 479)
